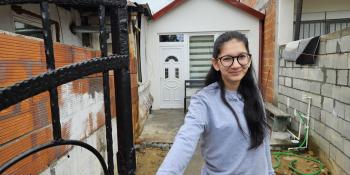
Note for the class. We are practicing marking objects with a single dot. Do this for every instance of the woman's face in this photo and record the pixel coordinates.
(232, 73)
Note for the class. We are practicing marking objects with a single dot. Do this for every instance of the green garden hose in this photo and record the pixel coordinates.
(291, 165)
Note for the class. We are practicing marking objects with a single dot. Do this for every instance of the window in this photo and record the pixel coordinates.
(28, 30)
(171, 38)
(28, 23)
(177, 73)
(201, 48)
(166, 73)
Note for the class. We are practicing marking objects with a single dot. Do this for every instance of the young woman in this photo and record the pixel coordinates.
(228, 115)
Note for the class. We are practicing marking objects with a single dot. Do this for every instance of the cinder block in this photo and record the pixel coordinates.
(342, 93)
(327, 90)
(340, 109)
(347, 147)
(280, 71)
(340, 61)
(347, 112)
(282, 106)
(342, 160)
(331, 76)
(288, 81)
(300, 84)
(316, 74)
(282, 62)
(334, 137)
(303, 107)
(315, 87)
(322, 143)
(332, 152)
(332, 122)
(320, 128)
(282, 99)
(324, 116)
(349, 62)
(289, 64)
(342, 77)
(344, 128)
(349, 73)
(344, 43)
(281, 80)
(325, 61)
(332, 46)
(295, 65)
(328, 104)
(315, 112)
(316, 99)
(322, 48)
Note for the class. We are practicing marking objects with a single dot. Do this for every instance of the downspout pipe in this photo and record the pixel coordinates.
(261, 56)
(298, 19)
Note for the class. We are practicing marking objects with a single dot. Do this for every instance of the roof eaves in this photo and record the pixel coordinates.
(167, 8)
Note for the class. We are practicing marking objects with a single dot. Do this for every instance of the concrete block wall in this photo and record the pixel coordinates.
(327, 82)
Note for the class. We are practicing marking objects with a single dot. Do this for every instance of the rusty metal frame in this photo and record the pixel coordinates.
(50, 80)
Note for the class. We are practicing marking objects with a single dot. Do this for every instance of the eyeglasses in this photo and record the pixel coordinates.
(243, 59)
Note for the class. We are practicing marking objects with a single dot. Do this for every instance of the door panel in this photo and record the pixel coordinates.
(172, 77)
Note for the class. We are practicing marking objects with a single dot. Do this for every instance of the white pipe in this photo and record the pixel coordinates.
(307, 126)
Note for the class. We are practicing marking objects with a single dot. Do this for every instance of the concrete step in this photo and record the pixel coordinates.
(280, 140)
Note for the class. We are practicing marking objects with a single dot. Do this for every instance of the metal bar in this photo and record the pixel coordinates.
(89, 29)
(126, 151)
(314, 29)
(38, 148)
(106, 95)
(298, 19)
(325, 23)
(50, 63)
(49, 80)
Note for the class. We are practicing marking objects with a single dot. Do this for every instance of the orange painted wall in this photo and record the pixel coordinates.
(28, 123)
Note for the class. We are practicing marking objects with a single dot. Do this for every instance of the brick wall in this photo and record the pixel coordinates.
(328, 83)
(267, 77)
(28, 123)
(267, 69)
(250, 3)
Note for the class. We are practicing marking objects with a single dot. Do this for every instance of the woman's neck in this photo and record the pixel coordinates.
(231, 86)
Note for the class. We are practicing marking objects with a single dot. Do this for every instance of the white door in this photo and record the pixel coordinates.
(172, 77)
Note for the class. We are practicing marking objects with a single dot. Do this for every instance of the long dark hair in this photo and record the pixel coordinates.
(253, 104)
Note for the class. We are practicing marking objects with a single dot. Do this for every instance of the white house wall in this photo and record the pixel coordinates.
(285, 19)
(143, 38)
(6, 22)
(315, 9)
(65, 18)
(197, 16)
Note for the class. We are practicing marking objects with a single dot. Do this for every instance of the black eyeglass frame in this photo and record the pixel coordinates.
(236, 58)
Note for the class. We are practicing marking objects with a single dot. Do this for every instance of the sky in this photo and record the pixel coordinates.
(154, 5)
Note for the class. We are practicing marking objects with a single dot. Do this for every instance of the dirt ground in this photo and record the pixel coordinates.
(149, 159)
(303, 165)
